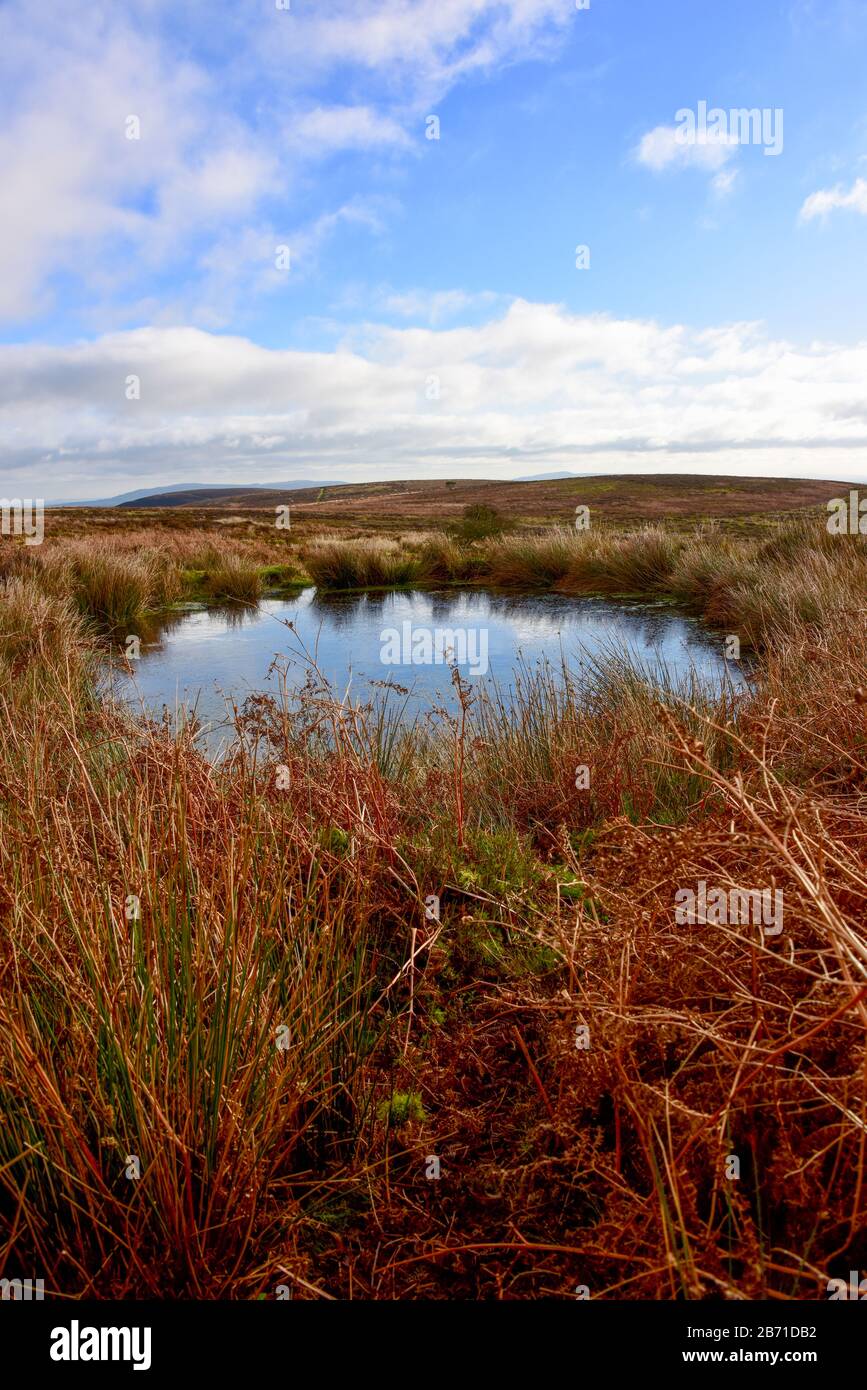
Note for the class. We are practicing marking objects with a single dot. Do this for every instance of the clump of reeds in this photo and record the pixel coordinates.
(360, 564)
(187, 974)
(232, 577)
(115, 588)
(444, 560)
(42, 640)
(533, 561)
(638, 562)
(825, 588)
(478, 522)
(602, 716)
(581, 561)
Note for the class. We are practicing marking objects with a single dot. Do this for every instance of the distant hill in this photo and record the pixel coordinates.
(168, 496)
(226, 494)
(550, 477)
(108, 501)
(433, 502)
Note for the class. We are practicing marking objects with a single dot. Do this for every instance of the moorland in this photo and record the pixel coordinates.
(240, 1054)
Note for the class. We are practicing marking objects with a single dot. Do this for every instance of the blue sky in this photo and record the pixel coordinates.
(431, 320)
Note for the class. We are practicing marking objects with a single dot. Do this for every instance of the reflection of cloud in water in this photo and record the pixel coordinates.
(228, 650)
(535, 617)
(345, 611)
(201, 624)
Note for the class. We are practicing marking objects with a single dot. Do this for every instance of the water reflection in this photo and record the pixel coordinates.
(205, 655)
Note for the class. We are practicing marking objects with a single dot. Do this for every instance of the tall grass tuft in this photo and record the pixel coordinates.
(602, 715)
(641, 562)
(44, 646)
(190, 1025)
(444, 560)
(360, 564)
(234, 578)
(533, 561)
(113, 587)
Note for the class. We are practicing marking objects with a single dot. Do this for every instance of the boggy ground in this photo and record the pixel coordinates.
(228, 974)
(783, 573)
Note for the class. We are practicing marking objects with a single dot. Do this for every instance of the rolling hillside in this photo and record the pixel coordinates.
(433, 502)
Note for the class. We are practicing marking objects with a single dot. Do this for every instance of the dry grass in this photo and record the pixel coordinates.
(623, 499)
(231, 577)
(117, 583)
(284, 889)
(359, 564)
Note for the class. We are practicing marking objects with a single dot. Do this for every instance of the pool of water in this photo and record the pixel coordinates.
(208, 657)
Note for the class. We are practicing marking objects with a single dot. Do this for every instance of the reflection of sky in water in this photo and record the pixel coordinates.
(204, 656)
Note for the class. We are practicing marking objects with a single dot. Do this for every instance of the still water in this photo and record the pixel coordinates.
(210, 657)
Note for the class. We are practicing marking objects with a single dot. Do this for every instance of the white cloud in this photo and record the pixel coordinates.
(723, 183)
(829, 200)
(435, 306)
(79, 196)
(664, 148)
(82, 200)
(535, 384)
(424, 46)
(325, 130)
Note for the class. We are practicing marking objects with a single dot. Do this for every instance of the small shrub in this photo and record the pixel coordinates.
(478, 522)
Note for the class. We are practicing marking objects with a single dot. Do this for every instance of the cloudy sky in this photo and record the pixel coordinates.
(371, 239)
